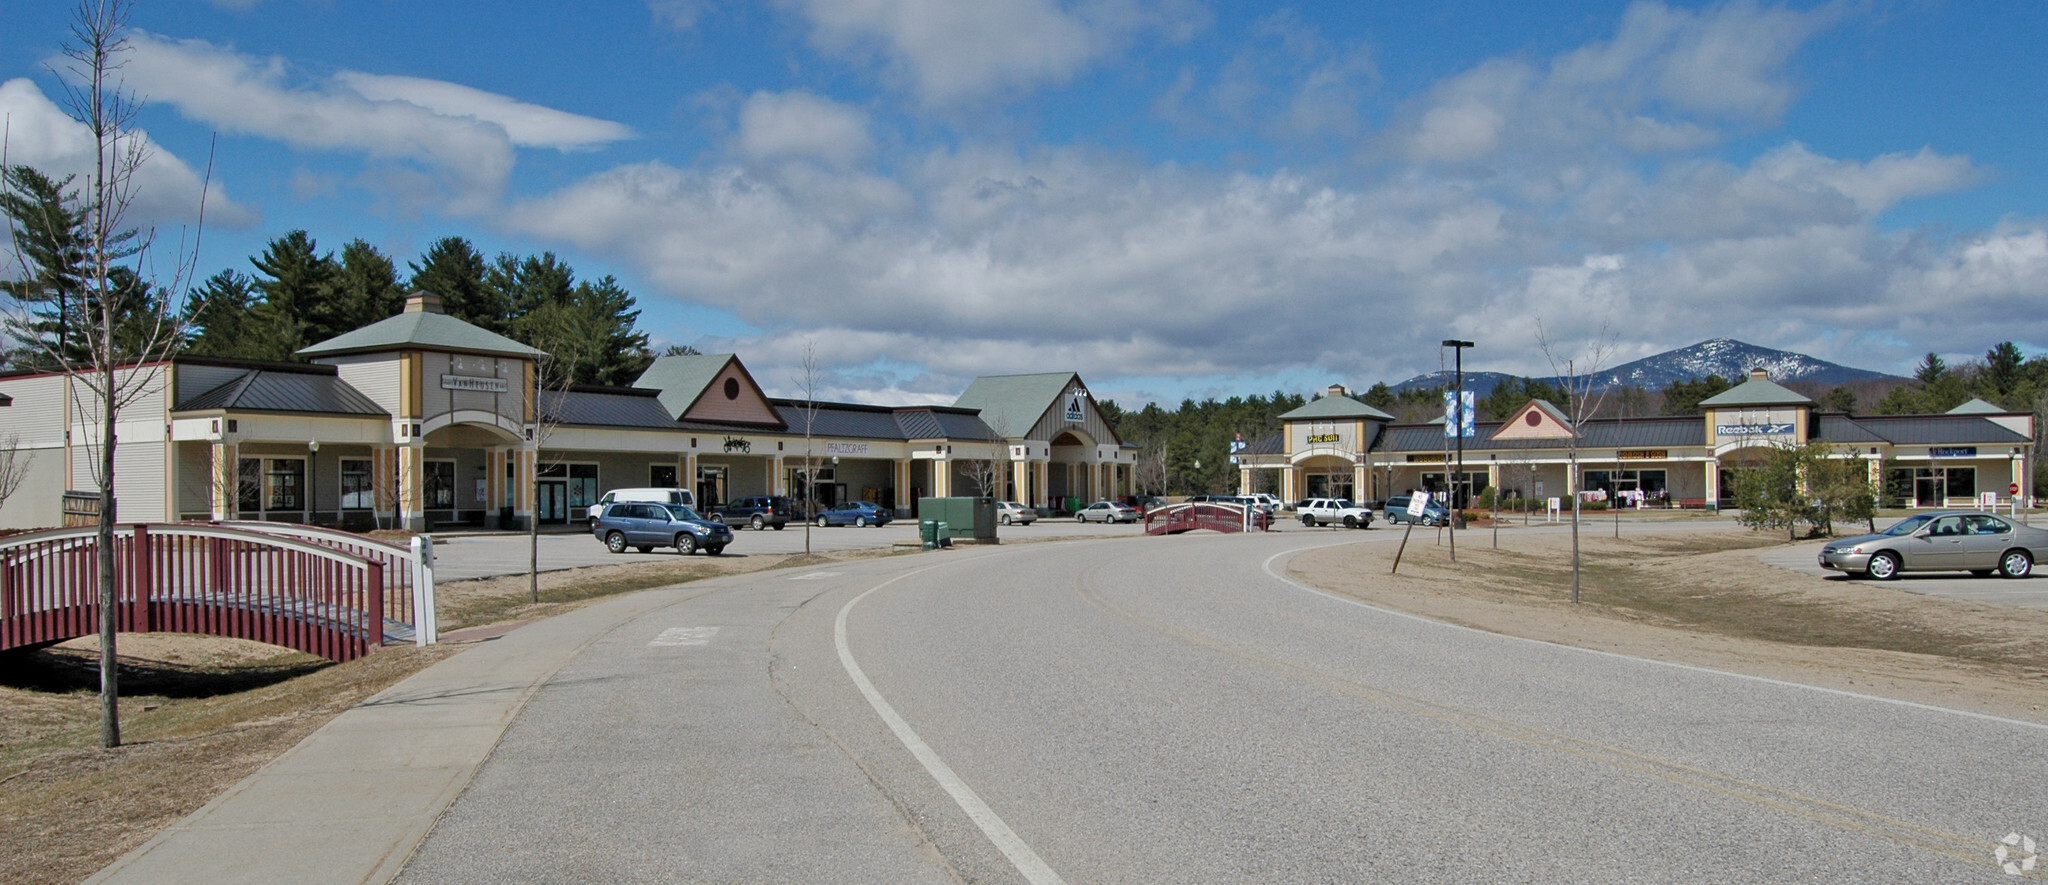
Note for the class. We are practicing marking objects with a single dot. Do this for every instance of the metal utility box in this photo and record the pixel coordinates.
(967, 518)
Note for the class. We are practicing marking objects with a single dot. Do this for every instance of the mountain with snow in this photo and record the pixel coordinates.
(1726, 357)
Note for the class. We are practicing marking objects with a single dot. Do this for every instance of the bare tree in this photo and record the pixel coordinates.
(129, 315)
(808, 383)
(553, 375)
(1578, 376)
(14, 466)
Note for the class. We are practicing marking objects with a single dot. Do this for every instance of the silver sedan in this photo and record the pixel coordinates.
(1947, 540)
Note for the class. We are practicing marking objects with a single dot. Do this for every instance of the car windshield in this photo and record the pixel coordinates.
(1907, 526)
(679, 511)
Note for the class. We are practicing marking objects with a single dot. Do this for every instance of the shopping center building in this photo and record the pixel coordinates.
(422, 420)
(1337, 446)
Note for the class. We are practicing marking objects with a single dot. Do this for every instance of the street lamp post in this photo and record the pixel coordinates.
(1457, 430)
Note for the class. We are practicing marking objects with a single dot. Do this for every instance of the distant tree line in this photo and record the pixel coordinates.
(299, 295)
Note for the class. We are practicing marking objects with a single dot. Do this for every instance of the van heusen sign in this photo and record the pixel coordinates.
(471, 382)
(1752, 429)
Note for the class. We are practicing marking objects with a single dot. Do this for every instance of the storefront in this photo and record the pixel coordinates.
(1947, 460)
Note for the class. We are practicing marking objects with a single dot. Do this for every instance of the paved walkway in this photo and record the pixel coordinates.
(349, 803)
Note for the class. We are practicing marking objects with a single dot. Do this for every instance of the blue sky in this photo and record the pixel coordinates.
(1172, 198)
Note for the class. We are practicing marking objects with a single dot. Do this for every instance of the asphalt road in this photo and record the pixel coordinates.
(1171, 710)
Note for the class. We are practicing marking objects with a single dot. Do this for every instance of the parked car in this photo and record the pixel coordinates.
(1396, 512)
(645, 525)
(1948, 540)
(1008, 512)
(854, 513)
(1272, 503)
(759, 512)
(657, 495)
(1107, 512)
(1142, 503)
(1331, 511)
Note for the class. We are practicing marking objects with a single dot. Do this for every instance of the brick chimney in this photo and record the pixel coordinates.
(1759, 374)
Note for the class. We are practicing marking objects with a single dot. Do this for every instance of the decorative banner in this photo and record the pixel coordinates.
(1458, 414)
(1236, 445)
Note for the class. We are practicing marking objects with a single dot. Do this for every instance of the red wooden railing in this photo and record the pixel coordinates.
(186, 578)
(409, 583)
(1215, 516)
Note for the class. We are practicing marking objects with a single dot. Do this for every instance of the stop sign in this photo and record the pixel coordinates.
(2013, 489)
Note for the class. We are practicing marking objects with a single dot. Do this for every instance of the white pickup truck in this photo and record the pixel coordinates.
(1334, 511)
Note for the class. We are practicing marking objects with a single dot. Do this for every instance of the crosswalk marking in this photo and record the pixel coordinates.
(675, 636)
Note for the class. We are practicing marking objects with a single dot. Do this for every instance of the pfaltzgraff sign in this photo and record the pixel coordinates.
(1752, 429)
(472, 382)
(846, 448)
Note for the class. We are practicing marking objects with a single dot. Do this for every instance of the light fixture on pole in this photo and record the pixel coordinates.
(1457, 429)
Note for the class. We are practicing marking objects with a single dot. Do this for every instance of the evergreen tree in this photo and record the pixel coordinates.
(454, 270)
(298, 305)
(1684, 397)
(1931, 369)
(2002, 365)
(366, 287)
(215, 314)
(48, 228)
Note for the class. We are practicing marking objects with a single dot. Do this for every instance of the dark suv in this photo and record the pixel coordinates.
(759, 512)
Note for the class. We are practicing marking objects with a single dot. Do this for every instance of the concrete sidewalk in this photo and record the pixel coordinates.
(351, 801)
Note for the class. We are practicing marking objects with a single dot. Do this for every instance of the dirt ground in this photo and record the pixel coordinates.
(1703, 598)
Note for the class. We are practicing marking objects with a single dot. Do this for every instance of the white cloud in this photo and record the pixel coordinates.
(528, 125)
(802, 125)
(1660, 85)
(167, 189)
(462, 138)
(948, 52)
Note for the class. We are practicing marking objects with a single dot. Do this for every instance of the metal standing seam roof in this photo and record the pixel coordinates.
(1844, 429)
(432, 331)
(1335, 407)
(1916, 430)
(610, 407)
(902, 423)
(682, 378)
(1014, 402)
(271, 390)
(1626, 433)
(1755, 392)
(1977, 406)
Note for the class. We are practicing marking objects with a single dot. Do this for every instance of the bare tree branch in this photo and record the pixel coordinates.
(1577, 375)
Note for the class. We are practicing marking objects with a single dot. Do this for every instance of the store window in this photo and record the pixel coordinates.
(580, 479)
(249, 486)
(358, 491)
(439, 485)
(662, 476)
(285, 484)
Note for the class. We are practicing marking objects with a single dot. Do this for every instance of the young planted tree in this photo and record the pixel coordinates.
(125, 330)
(1577, 375)
(1812, 485)
(808, 383)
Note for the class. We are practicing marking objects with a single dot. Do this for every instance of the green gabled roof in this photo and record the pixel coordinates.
(423, 330)
(1755, 392)
(1977, 406)
(1012, 404)
(682, 379)
(1335, 407)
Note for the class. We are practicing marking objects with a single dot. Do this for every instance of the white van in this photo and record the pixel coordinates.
(658, 496)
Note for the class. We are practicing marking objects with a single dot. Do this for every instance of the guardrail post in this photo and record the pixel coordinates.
(426, 626)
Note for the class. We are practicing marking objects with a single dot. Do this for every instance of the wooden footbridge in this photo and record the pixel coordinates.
(323, 592)
(1212, 515)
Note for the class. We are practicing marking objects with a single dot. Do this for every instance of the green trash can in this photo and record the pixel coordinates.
(928, 532)
(944, 534)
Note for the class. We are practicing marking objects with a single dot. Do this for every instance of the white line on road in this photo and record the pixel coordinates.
(1006, 840)
(814, 576)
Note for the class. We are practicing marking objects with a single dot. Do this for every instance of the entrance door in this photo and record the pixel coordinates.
(554, 501)
(1929, 490)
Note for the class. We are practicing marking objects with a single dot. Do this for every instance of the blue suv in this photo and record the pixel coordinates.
(644, 526)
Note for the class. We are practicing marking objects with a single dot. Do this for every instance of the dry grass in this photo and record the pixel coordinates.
(200, 713)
